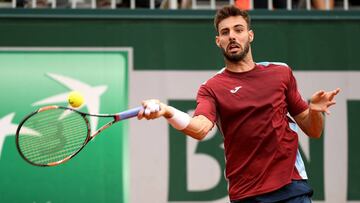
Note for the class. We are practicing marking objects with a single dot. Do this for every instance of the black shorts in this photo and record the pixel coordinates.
(298, 191)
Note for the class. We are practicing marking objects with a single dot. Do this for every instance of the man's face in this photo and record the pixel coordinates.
(234, 38)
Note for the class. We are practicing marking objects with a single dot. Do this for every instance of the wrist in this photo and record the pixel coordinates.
(168, 112)
(176, 118)
(312, 106)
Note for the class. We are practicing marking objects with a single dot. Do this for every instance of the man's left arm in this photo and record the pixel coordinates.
(311, 121)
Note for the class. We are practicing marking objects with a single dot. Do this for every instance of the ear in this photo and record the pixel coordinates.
(251, 35)
(217, 41)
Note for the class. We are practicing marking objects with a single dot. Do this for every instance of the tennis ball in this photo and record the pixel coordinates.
(75, 99)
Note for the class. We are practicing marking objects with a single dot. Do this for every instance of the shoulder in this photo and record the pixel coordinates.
(279, 65)
(208, 86)
(215, 77)
(268, 64)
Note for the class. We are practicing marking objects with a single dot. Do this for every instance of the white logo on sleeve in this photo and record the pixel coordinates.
(235, 89)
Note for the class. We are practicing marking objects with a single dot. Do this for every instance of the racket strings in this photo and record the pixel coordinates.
(57, 136)
(46, 150)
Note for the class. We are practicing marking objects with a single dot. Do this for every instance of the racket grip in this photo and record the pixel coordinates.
(130, 113)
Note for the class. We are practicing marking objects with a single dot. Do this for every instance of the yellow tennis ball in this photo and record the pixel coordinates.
(75, 99)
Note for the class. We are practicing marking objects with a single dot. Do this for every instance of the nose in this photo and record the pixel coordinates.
(232, 35)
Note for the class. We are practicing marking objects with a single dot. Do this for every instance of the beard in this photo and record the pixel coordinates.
(237, 56)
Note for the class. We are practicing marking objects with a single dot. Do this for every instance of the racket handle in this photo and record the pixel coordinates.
(130, 113)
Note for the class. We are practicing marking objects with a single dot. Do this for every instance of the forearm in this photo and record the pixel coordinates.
(311, 122)
(196, 127)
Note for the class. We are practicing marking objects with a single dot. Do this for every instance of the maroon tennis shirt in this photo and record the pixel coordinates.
(250, 109)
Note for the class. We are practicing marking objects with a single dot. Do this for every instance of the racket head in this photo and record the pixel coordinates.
(52, 135)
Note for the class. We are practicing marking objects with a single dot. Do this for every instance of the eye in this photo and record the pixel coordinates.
(224, 32)
(238, 30)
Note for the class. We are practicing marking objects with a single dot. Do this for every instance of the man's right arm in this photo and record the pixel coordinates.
(196, 127)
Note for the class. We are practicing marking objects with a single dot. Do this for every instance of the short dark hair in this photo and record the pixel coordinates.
(228, 11)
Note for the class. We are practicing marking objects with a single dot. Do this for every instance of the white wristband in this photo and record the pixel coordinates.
(179, 120)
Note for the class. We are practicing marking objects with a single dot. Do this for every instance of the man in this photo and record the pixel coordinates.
(249, 102)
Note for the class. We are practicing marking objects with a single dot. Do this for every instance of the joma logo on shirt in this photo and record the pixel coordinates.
(235, 89)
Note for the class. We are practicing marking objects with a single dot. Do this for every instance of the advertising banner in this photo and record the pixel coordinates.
(36, 77)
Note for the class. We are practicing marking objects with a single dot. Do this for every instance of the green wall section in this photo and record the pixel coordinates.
(354, 151)
(98, 173)
(185, 40)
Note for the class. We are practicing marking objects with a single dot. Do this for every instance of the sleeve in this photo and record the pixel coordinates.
(206, 104)
(295, 102)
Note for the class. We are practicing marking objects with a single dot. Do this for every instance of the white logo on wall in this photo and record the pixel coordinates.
(91, 95)
(8, 128)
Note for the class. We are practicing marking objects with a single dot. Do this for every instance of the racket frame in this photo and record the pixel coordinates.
(116, 118)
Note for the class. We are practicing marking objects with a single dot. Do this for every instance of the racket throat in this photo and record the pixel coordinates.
(59, 162)
(102, 128)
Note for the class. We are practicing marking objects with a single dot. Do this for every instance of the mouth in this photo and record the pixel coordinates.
(233, 47)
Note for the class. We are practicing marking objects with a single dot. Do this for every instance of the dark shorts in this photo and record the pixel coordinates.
(298, 191)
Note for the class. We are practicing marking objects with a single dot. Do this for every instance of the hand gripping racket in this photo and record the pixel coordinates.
(54, 134)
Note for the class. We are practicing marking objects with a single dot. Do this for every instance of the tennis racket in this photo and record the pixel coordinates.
(54, 134)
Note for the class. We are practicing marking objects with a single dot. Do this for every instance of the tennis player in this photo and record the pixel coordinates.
(249, 102)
